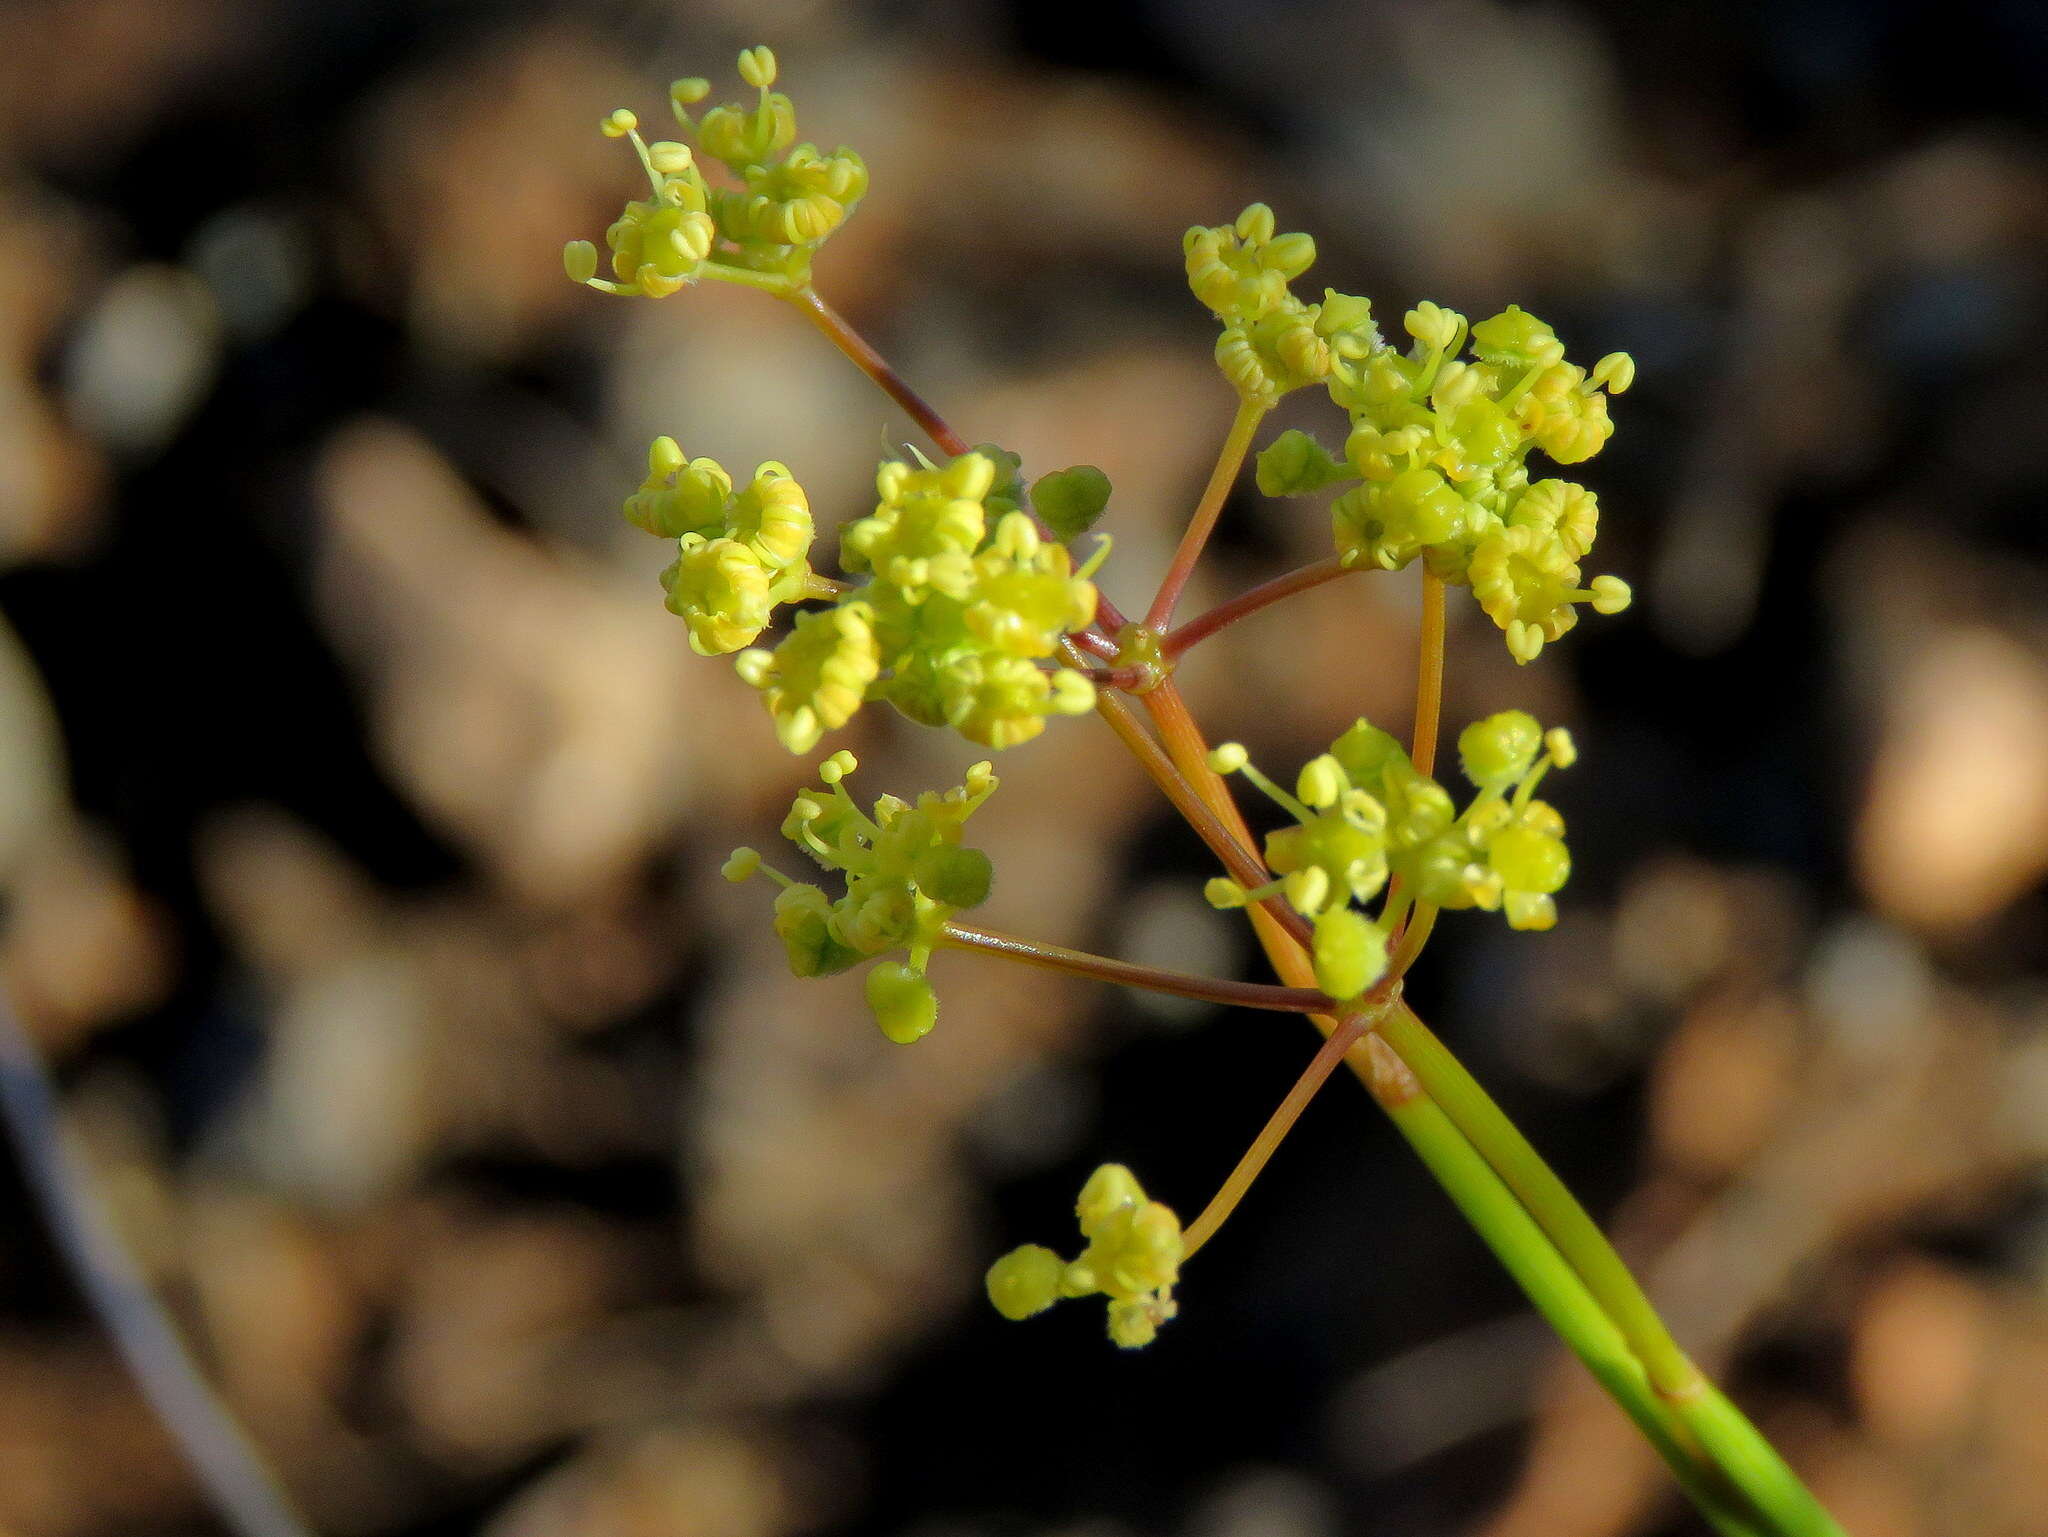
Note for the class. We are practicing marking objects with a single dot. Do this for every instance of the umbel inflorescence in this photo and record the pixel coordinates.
(957, 601)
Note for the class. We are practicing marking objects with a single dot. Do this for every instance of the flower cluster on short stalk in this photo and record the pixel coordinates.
(962, 607)
(779, 201)
(1439, 444)
(1363, 812)
(906, 873)
(1133, 1258)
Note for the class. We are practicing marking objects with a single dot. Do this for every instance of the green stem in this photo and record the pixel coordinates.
(1236, 444)
(745, 277)
(1429, 673)
(1551, 1285)
(1754, 1465)
(1735, 1446)
(1469, 1105)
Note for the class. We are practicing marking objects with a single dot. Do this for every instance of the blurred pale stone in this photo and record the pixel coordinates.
(548, 717)
(1919, 1354)
(144, 357)
(1720, 1085)
(674, 1481)
(81, 947)
(1954, 824)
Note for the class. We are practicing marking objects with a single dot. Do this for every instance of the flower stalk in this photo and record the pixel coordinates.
(1154, 979)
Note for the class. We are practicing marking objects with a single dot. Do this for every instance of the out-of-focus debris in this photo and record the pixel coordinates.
(1955, 823)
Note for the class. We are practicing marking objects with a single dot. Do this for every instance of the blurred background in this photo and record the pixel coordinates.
(361, 807)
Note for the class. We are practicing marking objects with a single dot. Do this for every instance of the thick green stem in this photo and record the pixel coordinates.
(1487, 1127)
(1754, 1466)
(1736, 1447)
(1552, 1286)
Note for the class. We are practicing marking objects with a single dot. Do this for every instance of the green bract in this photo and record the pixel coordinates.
(1295, 464)
(1069, 501)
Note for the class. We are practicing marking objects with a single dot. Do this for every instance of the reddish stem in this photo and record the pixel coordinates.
(877, 368)
(1080, 963)
(1202, 626)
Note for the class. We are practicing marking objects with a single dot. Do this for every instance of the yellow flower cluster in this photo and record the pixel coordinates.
(789, 199)
(1439, 442)
(963, 607)
(906, 874)
(739, 554)
(1272, 342)
(1133, 1258)
(1442, 444)
(1363, 811)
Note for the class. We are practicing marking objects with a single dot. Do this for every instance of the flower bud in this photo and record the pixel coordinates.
(1228, 757)
(1111, 1189)
(1610, 594)
(1615, 372)
(1433, 325)
(758, 67)
(1223, 894)
(1290, 255)
(1025, 1281)
(1321, 782)
(579, 260)
(670, 158)
(902, 1001)
(1255, 225)
(1350, 952)
(1500, 750)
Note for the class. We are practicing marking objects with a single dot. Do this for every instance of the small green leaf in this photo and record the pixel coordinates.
(1071, 500)
(955, 876)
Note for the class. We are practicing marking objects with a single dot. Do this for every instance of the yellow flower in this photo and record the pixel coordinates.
(772, 517)
(722, 591)
(818, 677)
